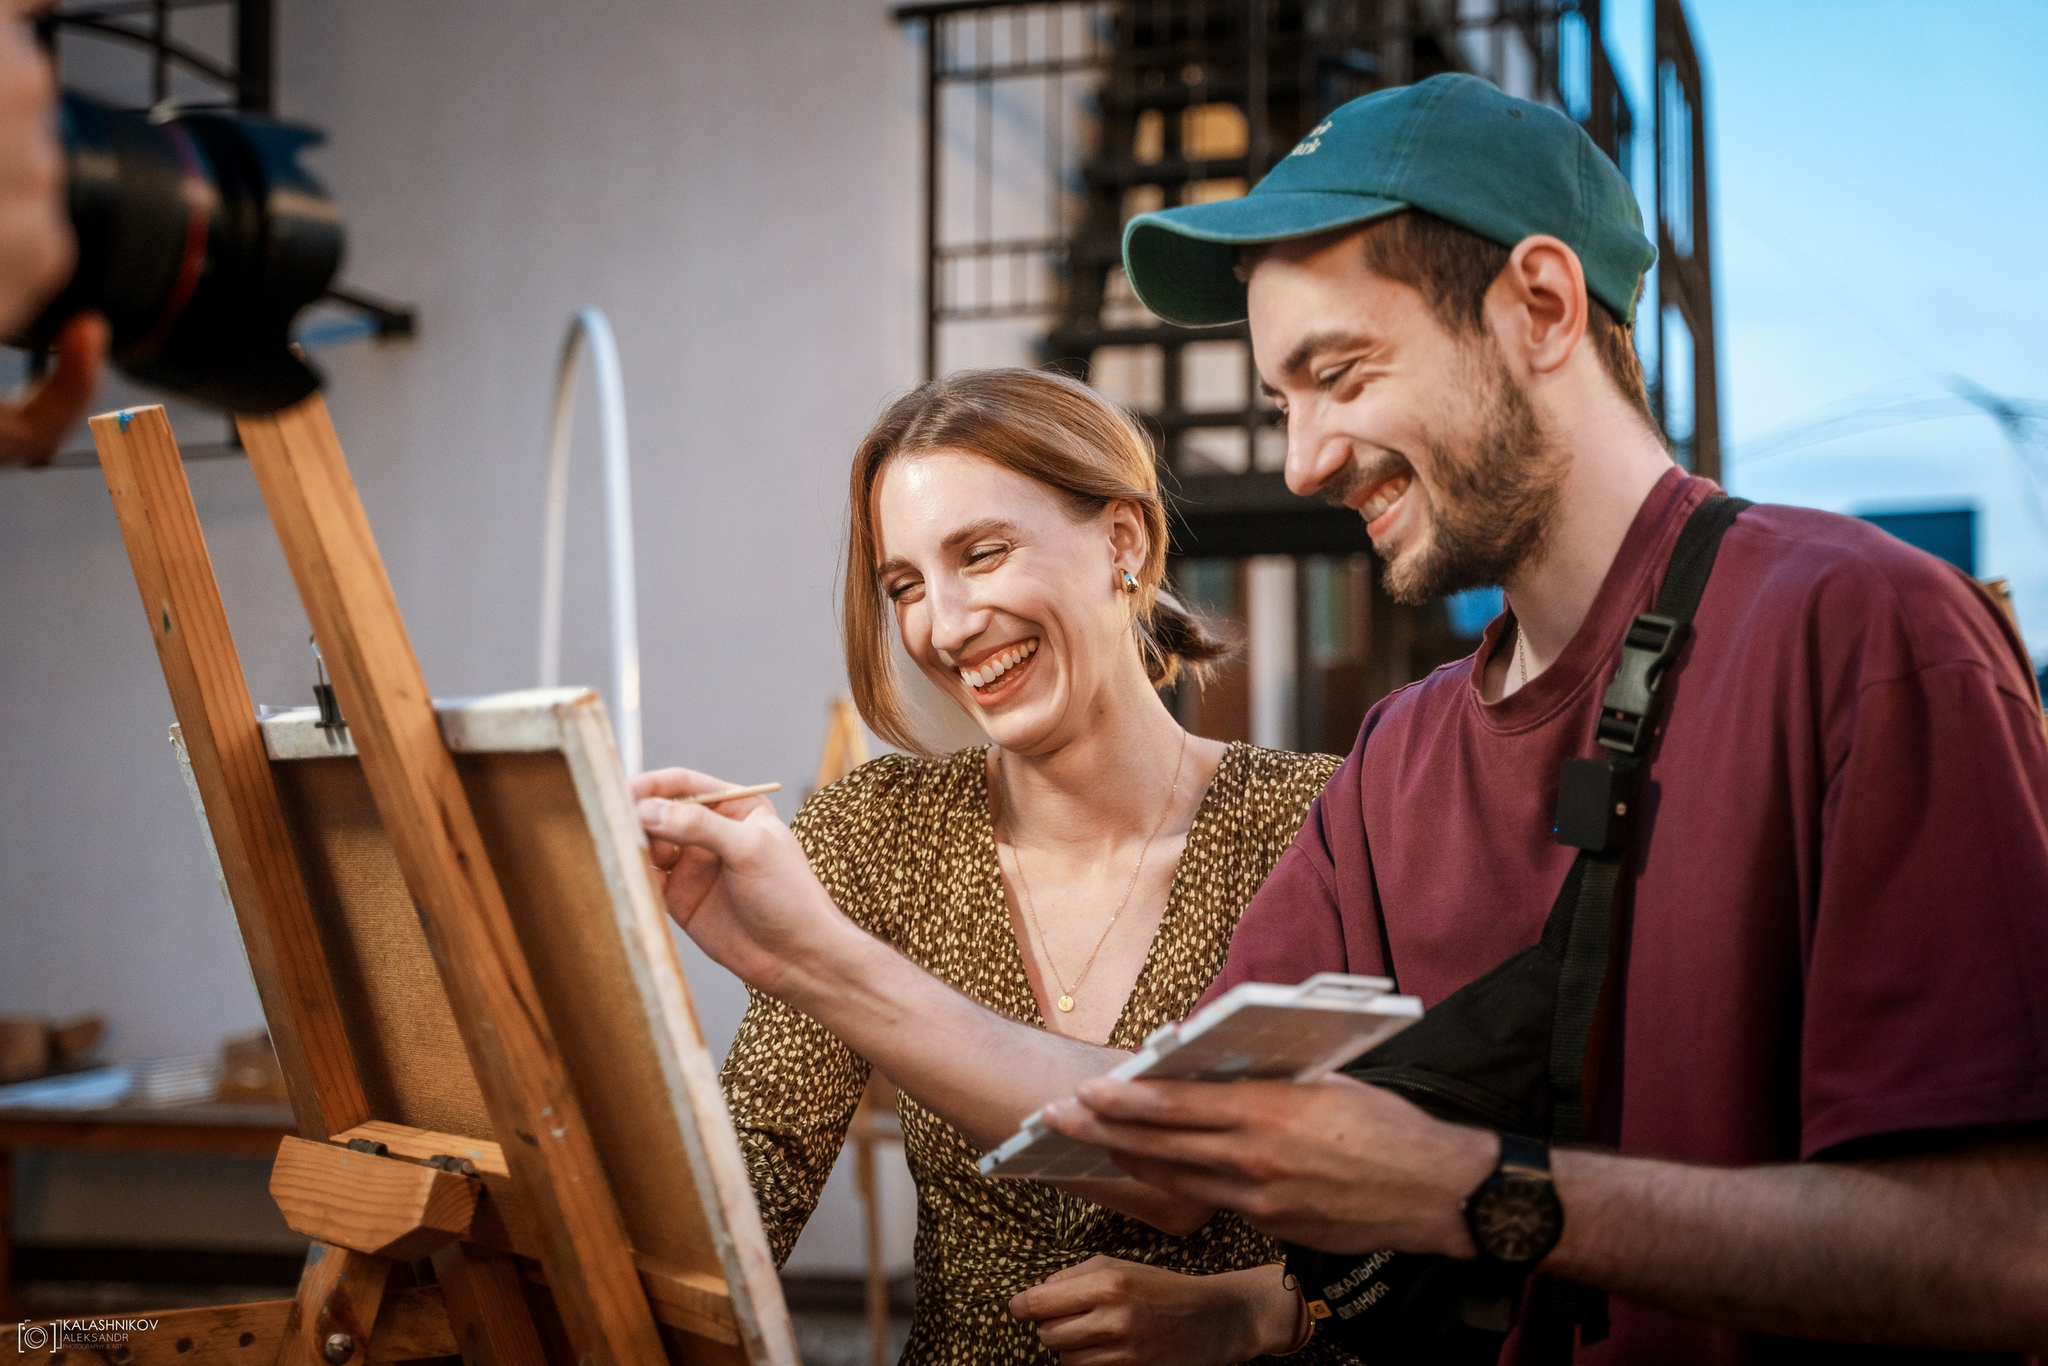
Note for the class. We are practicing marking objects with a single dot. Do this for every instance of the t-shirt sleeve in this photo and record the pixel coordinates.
(1315, 911)
(1929, 942)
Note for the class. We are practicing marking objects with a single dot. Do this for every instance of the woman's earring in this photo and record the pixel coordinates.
(1130, 584)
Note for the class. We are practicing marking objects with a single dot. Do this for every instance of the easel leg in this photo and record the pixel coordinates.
(258, 866)
(339, 1295)
(486, 1303)
(877, 1269)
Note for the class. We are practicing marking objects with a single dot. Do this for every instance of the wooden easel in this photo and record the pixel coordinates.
(544, 1246)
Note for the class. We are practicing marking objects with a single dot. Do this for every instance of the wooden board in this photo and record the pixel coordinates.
(550, 800)
(206, 1126)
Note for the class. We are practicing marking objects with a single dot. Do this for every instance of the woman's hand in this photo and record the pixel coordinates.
(1108, 1312)
(734, 877)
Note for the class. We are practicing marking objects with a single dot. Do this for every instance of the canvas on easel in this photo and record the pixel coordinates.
(466, 968)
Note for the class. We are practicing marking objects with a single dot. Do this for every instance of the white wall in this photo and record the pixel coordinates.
(736, 185)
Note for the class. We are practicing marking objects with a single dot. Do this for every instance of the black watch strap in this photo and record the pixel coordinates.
(1528, 1153)
(1514, 1215)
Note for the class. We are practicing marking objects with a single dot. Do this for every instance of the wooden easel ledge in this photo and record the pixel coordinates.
(391, 1204)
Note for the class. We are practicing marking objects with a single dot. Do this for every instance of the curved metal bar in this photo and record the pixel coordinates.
(592, 328)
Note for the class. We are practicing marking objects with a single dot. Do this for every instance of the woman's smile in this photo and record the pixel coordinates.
(1000, 673)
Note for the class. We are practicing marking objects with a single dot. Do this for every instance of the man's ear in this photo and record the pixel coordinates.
(1537, 305)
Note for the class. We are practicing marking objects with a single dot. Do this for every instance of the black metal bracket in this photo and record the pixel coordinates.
(323, 695)
(389, 321)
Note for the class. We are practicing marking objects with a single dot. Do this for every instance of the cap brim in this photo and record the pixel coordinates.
(1183, 262)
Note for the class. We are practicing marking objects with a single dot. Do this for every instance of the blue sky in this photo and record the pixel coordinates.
(1881, 222)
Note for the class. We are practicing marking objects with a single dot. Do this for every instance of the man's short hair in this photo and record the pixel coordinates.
(1452, 268)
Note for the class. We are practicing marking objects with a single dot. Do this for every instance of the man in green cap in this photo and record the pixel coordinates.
(1824, 1063)
(1812, 1098)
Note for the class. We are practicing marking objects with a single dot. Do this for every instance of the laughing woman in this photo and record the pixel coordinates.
(1082, 872)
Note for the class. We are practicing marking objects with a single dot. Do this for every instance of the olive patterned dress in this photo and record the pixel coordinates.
(906, 848)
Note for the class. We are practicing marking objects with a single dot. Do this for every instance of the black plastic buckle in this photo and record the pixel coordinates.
(1625, 710)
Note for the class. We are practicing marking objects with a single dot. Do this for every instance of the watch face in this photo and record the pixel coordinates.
(1517, 1218)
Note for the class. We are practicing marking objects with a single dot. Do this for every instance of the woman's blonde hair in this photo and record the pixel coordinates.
(1046, 427)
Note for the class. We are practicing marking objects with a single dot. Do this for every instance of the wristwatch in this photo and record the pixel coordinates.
(1514, 1215)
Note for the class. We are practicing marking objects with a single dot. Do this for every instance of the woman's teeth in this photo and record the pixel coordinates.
(1387, 495)
(989, 670)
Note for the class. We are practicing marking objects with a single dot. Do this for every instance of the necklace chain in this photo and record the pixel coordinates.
(1066, 1000)
(1521, 659)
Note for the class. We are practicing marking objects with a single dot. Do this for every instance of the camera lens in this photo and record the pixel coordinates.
(200, 237)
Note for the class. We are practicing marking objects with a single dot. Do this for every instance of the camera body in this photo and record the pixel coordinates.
(200, 238)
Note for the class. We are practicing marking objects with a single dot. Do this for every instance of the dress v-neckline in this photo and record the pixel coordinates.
(1167, 917)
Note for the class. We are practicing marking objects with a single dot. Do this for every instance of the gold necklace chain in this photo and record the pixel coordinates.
(1521, 659)
(1066, 1000)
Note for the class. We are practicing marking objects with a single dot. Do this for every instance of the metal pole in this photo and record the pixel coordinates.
(1258, 134)
(159, 60)
(931, 195)
(256, 56)
(591, 327)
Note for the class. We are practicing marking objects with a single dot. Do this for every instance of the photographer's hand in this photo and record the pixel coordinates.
(31, 429)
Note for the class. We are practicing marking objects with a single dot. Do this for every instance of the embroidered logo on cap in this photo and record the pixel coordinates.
(1312, 141)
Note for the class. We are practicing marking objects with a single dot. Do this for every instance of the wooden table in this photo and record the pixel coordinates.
(211, 1127)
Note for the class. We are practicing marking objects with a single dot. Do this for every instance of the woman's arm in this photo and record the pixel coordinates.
(792, 1089)
(741, 886)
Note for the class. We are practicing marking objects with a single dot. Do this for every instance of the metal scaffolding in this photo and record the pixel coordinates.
(247, 83)
(1049, 124)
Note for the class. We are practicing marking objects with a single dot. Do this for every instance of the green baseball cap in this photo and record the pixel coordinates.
(1455, 146)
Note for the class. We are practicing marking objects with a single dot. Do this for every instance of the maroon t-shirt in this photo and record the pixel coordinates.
(1838, 924)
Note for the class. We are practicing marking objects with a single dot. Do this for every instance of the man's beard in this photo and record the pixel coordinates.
(1496, 498)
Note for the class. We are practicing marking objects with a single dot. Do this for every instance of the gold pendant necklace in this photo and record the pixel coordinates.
(1066, 998)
